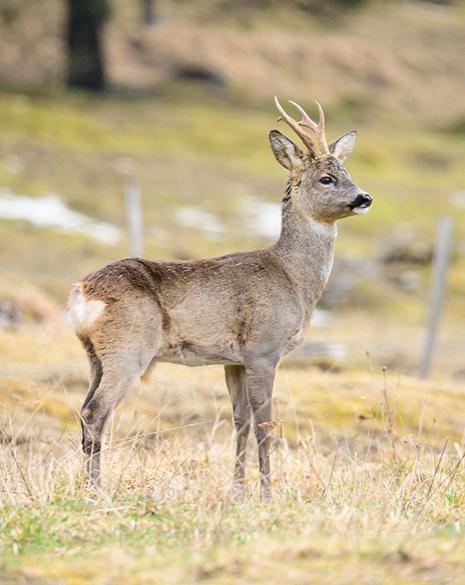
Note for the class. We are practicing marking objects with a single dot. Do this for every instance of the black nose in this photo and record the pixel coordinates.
(362, 200)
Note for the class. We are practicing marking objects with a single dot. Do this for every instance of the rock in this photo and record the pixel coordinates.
(407, 279)
(348, 280)
(408, 251)
(25, 303)
(10, 316)
(194, 72)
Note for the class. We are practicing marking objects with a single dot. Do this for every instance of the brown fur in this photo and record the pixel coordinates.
(244, 310)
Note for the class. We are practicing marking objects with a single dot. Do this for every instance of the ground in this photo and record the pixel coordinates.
(368, 479)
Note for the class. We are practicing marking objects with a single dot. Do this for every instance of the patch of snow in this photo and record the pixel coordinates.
(321, 318)
(262, 217)
(50, 212)
(322, 349)
(259, 217)
(197, 218)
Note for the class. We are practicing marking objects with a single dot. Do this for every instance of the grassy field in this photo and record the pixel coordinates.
(369, 482)
(369, 476)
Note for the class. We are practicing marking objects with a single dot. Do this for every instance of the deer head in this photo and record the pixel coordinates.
(321, 188)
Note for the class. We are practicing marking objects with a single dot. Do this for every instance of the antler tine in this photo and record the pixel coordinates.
(306, 139)
(319, 128)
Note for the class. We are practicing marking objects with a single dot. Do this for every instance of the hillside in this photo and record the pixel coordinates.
(390, 54)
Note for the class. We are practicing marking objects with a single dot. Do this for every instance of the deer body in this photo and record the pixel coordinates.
(245, 310)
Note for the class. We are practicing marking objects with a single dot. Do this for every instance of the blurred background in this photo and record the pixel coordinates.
(177, 95)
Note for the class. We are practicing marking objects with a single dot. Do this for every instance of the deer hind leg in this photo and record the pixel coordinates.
(260, 381)
(100, 402)
(114, 366)
(90, 447)
(236, 382)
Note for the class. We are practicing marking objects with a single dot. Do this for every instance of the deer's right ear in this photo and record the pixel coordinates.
(285, 151)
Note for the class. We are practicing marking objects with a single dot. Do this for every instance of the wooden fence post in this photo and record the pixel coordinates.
(134, 215)
(440, 264)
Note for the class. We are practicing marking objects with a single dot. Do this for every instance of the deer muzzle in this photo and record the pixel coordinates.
(361, 203)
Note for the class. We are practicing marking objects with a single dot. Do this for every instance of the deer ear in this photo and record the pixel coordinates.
(285, 151)
(343, 146)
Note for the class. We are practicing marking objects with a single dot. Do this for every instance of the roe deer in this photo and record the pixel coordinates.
(245, 310)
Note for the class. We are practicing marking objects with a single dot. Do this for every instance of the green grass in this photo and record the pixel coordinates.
(71, 145)
(171, 544)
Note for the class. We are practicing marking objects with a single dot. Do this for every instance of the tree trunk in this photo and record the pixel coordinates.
(86, 66)
(148, 12)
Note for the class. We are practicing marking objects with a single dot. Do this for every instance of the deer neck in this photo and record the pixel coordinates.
(306, 248)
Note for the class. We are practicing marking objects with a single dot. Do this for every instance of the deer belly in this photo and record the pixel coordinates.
(195, 355)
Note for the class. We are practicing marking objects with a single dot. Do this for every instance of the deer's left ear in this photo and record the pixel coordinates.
(343, 146)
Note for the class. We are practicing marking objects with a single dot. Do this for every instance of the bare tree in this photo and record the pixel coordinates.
(86, 64)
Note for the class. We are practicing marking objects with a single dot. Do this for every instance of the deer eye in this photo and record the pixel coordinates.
(326, 180)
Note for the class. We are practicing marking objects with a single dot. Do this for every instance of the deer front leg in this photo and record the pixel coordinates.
(260, 381)
(236, 382)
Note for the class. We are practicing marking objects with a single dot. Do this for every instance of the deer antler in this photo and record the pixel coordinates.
(306, 121)
(304, 136)
(319, 128)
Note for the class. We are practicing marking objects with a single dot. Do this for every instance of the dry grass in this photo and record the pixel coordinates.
(390, 512)
(368, 478)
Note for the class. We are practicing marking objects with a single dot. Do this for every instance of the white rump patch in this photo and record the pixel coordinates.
(83, 312)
